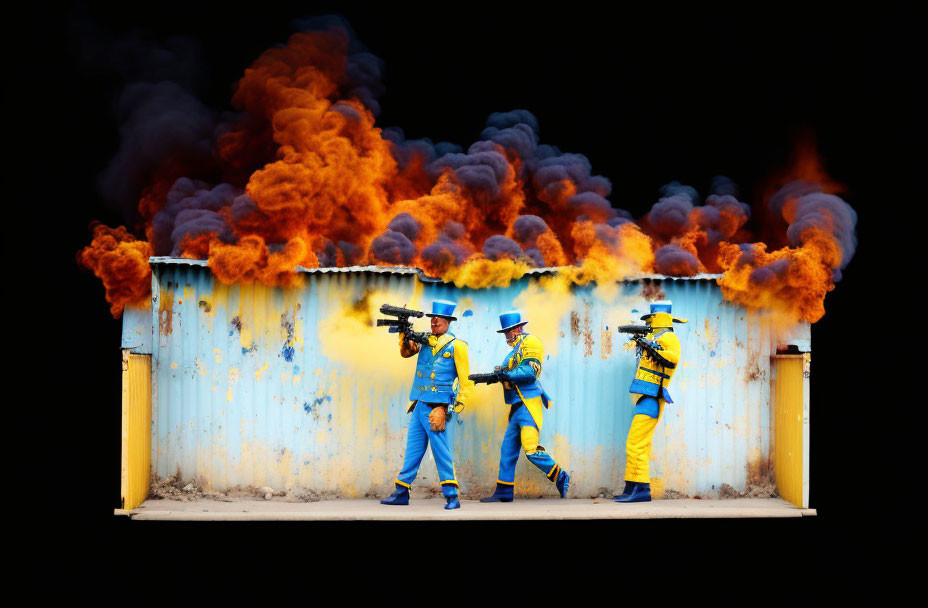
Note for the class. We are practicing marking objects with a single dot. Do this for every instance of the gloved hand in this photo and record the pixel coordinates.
(408, 348)
(437, 418)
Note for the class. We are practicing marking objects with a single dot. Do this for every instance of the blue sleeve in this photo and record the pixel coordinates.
(524, 373)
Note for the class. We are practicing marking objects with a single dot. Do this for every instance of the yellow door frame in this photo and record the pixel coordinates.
(791, 426)
(136, 429)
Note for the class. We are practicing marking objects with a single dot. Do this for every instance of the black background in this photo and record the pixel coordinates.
(648, 96)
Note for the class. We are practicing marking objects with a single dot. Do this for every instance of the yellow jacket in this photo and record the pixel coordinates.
(652, 378)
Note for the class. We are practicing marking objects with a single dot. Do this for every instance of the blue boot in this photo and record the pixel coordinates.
(640, 493)
(503, 493)
(629, 486)
(453, 502)
(563, 483)
(399, 497)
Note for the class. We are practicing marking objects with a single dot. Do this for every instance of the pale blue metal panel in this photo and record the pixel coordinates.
(136, 329)
(284, 387)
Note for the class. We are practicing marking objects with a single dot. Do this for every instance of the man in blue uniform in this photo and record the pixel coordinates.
(441, 381)
(527, 399)
(659, 353)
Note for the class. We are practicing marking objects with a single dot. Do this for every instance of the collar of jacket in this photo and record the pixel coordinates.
(442, 342)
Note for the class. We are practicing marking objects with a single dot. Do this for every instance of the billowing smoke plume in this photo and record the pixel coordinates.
(498, 247)
(301, 175)
(821, 239)
(164, 129)
(191, 210)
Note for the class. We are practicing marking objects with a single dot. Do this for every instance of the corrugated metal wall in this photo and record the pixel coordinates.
(292, 388)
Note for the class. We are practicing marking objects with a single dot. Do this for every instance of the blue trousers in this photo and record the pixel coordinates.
(522, 432)
(417, 441)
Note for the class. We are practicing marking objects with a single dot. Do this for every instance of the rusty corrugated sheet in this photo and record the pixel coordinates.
(292, 388)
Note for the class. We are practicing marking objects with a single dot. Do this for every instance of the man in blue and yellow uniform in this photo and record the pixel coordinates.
(441, 381)
(523, 393)
(659, 354)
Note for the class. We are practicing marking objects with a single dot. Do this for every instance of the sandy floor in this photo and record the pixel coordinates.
(432, 509)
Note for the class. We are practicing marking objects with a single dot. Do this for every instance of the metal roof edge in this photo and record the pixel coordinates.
(424, 277)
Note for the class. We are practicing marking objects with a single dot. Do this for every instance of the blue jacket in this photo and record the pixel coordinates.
(441, 372)
(523, 365)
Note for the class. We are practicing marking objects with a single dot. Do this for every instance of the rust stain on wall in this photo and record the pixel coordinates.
(587, 334)
(710, 336)
(575, 326)
(166, 310)
(605, 344)
(652, 291)
(752, 372)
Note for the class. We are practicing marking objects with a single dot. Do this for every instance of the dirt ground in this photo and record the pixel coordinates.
(189, 489)
(185, 490)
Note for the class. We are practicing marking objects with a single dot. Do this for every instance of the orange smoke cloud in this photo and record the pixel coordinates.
(121, 262)
(816, 239)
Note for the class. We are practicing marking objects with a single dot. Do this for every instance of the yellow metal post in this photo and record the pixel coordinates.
(791, 442)
(136, 428)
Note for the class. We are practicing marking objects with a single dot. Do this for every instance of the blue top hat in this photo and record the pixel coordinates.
(443, 309)
(659, 306)
(510, 319)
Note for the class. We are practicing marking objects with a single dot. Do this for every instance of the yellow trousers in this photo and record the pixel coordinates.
(638, 447)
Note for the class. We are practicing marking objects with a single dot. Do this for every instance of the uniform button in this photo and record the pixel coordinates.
(433, 375)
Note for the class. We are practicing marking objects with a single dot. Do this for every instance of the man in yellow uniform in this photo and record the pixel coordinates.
(440, 382)
(527, 400)
(659, 354)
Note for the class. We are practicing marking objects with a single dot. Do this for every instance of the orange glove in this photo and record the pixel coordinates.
(408, 348)
(437, 418)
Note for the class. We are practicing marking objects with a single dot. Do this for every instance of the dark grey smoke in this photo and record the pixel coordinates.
(716, 216)
(159, 123)
(364, 70)
(519, 137)
(830, 213)
(504, 120)
(444, 253)
(406, 150)
(747, 254)
(722, 186)
(670, 215)
(482, 169)
(190, 209)
(677, 211)
(498, 246)
(622, 217)
(672, 260)
(326, 253)
(351, 252)
(675, 188)
(453, 231)
(393, 248)
(405, 224)
(528, 228)
(153, 87)
(816, 209)
(550, 167)
(591, 205)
